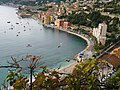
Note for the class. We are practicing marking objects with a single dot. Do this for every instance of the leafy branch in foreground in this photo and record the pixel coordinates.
(15, 78)
(84, 77)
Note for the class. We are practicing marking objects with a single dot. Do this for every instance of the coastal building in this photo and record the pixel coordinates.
(41, 16)
(59, 22)
(100, 33)
(52, 19)
(46, 19)
(61, 10)
(66, 25)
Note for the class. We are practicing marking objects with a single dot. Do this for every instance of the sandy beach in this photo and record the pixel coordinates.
(67, 69)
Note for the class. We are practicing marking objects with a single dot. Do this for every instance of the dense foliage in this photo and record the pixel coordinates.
(98, 47)
(114, 81)
(91, 20)
(84, 77)
(112, 7)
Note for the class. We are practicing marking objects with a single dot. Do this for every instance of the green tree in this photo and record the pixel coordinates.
(94, 15)
(47, 79)
(98, 47)
(114, 81)
(85, 76)
(17, 80)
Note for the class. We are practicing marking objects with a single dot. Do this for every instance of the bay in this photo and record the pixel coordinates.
(16, 33)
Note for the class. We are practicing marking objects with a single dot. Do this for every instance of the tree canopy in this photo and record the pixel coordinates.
(84, 77)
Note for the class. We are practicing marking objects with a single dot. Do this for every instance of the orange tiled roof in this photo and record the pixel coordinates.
(112, 59)
(116, 51)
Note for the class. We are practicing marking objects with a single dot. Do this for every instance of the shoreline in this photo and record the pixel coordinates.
(69, 68)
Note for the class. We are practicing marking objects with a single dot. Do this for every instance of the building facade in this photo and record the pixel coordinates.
(66, 25)
(59, 23)
(100, 33)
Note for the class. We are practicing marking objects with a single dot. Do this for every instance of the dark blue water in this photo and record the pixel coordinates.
(44, 41)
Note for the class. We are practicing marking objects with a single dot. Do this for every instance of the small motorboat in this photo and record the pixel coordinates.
(68, 60)
(8, 22)
(17, 23)
(59, 45)
(28, 45)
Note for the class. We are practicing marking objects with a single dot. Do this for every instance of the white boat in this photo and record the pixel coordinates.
(59, 45)
(28, 45)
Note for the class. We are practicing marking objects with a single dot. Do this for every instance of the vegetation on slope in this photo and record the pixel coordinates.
(84, 77)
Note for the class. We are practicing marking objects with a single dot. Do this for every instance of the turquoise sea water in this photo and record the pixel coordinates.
(44, 41)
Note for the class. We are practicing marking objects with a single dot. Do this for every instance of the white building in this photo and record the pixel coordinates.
(100, 33)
